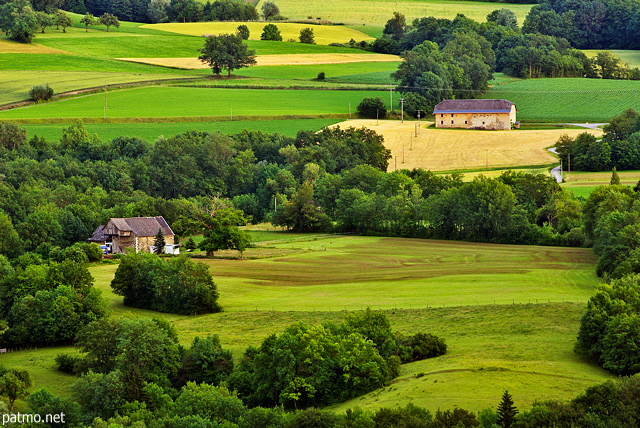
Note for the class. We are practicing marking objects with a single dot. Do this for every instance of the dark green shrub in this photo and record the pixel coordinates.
(372, 108)
(41, 92)
(320, 76)
(243, 32)
(67, 363)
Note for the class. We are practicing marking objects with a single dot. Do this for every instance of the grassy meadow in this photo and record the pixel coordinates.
(630, 57)
(447, 288)
(377, 12)
(583, 183)
(151, 131)
(198, 102)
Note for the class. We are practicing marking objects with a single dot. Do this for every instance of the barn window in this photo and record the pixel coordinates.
(465, 122)
(442, 122)
(483, 123)
(442, 115)
(452, 122)
(451, 114)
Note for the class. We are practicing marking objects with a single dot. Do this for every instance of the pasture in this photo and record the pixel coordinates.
(583, 183)
(151, 131)
(447, 288)
(461, 149)
(630, 57)
(377, 12)
(568, 99)
(323, 34)
(197, 102)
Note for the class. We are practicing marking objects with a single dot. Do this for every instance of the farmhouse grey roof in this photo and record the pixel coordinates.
(473, 106)
(98, 234)
(140, 226)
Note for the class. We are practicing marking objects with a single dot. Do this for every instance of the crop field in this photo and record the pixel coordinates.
(453, 149)
(323, 34)
(377, 12)
(164, 102)
(583, 183)
(630, 57)
(569, 99)
(274, 60)
(151, 131)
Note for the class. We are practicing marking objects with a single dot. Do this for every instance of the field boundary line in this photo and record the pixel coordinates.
(171, 119)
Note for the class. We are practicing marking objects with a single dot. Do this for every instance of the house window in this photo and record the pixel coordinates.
(451, 114)
(452, 122)
(442, 122)
(442, 115)
(483, 123)
(465, 122)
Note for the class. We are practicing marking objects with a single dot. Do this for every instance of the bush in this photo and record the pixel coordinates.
(41, 92)
(306, 36)
(68, 363)
(243, 32)
(372, 108)
(320, 76)
(271, 32)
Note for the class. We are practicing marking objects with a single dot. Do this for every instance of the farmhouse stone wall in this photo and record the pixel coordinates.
(476, 120)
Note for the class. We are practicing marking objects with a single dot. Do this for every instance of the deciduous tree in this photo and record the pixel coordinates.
(226, 51)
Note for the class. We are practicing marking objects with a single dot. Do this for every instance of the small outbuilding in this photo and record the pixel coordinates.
(135, 232)
(475, 114)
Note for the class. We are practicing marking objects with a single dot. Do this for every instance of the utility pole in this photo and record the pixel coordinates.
(402, 109)
(232, 114)
(349, 109)
(390, 98)
(377, 113)
(419, 111)
(105, 99)
(569, 159)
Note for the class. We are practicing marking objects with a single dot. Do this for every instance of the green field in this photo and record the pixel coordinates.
(583, 183)
(377, 12)
(353, 72)
(197, 102)
(627, 56)
(151, 131)
(512, 344)
(569, 99)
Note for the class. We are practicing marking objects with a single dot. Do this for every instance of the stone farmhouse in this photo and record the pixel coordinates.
(136, 232)
(475, 114)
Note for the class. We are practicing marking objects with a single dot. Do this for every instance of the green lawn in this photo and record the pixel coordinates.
(196, 102)
(569, 100)
(151, 131)
(377, 12)
(334, 72)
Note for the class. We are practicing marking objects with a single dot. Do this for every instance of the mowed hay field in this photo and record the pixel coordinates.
(378, 12)
(323, 34)
(455, 149)
(271, 60)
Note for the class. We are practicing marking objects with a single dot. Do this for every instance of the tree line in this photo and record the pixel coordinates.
(619, 147)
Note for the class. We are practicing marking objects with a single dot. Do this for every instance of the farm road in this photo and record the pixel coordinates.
(557, 172)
